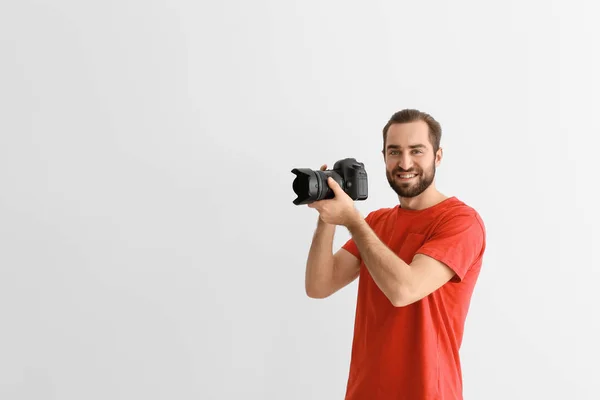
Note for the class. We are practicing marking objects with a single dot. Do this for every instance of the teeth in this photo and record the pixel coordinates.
(407, 176)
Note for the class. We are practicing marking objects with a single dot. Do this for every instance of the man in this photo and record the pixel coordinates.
(417, 264)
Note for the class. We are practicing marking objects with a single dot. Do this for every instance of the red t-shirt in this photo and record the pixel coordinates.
(412, 352)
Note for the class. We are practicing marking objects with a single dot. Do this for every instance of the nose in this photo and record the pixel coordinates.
(405, 162)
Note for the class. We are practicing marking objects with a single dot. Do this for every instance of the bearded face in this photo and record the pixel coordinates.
(410, 159)
(411, 182)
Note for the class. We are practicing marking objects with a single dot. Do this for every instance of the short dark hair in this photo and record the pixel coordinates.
(412, 115)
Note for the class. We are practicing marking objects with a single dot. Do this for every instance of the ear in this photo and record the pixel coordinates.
(438, 156)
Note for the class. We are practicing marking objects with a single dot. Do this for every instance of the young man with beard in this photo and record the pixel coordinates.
(417, 264)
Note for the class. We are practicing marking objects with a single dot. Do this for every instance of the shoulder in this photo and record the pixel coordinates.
(379, 214)
(458, 215)
(457, 237)
(458, 208)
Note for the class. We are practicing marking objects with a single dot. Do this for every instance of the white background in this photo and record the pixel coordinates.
(149, 247)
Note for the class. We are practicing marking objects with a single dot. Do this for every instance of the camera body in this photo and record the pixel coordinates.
(311, 185)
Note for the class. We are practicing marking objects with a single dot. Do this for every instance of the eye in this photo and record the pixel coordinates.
(417, 152)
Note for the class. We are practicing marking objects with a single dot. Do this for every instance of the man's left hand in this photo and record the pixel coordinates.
(339, 210)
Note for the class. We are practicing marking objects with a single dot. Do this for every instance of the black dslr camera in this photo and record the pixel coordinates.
(311, 185)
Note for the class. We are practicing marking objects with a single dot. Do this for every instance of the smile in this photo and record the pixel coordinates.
(406, 177)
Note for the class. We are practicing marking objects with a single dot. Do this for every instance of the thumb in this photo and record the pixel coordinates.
(337, 189)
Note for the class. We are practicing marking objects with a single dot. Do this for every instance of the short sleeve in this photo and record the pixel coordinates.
(458, 242)
(350, 246)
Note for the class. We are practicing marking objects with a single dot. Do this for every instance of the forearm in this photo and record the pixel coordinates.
(319, 265)
(390, 272)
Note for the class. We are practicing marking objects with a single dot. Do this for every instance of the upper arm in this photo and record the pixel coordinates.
(426, 276)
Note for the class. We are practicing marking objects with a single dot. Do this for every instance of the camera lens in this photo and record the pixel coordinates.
(307, 185)
(310, 185)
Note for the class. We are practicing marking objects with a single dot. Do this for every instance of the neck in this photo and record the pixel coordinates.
(430, 197)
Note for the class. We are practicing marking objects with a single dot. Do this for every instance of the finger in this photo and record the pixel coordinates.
(314, 204)
(334, 185)
(323, 167)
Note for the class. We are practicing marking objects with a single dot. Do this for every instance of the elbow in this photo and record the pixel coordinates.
(398, 302)
(401, 298)
(314, 293)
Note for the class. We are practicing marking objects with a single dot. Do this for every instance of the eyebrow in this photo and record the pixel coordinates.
(414, 146)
